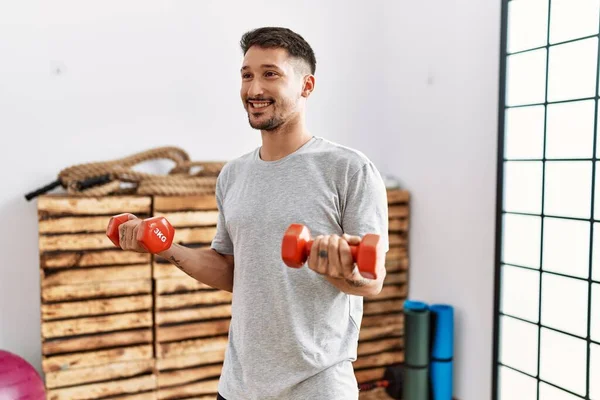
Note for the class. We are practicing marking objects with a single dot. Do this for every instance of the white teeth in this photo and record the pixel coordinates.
(259, 105)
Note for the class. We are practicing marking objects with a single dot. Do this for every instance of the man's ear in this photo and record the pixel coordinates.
(309, 85)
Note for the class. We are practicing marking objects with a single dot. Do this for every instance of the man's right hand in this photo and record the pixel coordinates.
(128, 233)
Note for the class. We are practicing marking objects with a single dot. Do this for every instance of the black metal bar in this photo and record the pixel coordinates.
(550, 159)
(549, 272)
(591, 243)
(539, 325)
(548, 216)
(499, 197)
(545, 103)
(553, 44)
(541, 259)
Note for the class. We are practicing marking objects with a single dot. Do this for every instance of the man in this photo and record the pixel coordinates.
(293, 332)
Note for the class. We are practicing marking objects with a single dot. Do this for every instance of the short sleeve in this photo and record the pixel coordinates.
(365, 208)
(221, 243)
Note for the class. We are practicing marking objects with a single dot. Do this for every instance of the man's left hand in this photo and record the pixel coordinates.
(330, 255)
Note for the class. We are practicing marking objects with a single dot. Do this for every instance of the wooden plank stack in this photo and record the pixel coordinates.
(96, 302)
(192, 319)
(381, 334)
(124, 325)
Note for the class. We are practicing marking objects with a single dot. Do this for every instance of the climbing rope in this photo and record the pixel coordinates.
(119, 177)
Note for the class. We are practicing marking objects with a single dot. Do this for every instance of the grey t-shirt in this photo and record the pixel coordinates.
(293, 335)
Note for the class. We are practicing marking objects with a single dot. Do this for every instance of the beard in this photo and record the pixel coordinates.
(267, 125)
(264, 125)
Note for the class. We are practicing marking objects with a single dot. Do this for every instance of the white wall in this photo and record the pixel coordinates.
(440, 139)
(413, 85)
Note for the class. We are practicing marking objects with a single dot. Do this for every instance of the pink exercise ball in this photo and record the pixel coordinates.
(18, 379)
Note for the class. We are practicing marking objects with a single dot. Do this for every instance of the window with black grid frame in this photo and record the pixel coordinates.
(548, 245)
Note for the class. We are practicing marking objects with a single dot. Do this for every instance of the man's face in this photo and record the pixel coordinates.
(272, 87)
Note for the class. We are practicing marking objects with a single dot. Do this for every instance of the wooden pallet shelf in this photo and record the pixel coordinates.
(130, 326)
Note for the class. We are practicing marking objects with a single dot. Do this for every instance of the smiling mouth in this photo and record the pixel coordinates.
(255, 105)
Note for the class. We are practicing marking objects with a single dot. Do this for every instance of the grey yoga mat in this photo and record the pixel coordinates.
(416, 350)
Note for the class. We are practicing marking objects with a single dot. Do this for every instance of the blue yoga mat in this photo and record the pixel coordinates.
(441, 380)
(442, 351)
(442, 346)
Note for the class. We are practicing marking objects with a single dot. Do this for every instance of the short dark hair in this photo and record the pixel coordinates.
(285, 38)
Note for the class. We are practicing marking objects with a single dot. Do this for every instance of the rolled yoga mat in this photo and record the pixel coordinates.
(416, 350)
(442, 351)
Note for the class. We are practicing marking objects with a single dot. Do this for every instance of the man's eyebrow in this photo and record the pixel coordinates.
(263, 66)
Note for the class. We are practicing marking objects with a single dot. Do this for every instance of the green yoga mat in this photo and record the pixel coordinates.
(416, 384)
(416, 350)
(416, 334)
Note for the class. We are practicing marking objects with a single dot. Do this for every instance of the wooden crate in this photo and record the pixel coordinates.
(124, 324)
(381, 340)
(96, 302)
(191, 319)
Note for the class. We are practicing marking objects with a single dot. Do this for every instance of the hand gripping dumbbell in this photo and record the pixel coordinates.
(297, 242)
(155, 234)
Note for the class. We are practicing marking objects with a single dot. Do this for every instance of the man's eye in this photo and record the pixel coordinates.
(245, 76)
(270, 74)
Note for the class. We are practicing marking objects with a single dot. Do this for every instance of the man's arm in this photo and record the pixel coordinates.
(205, 265)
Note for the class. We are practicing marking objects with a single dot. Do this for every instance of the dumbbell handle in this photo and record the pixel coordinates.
(353, 249)
(154, 234)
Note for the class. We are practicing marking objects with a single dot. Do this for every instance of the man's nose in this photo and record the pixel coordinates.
(255, 89)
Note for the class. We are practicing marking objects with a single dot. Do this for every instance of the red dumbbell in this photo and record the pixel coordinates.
(155, 234)
(297, 242)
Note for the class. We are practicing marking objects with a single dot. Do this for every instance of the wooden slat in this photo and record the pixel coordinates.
(97, 274)
(397, 239)
(138, 396)
(398, 225)
(184, 376)
(390, 292)
(395, 278)
(370, 374)
(92, 258)
(97, 341)
(380, 346)
(398, 211)
(96, 307)
(190, 218)
(73, 225)
(397, 265)
(107, 205)
(195, 235)
(181, 284)
(193, 314)
(375, 332)
(98, 374)
(104, 389)
(96, 358)
(396, 253)
(76, 241)
(190, 360)
(398, 196)
(204, 297)
(185, 348)
(108, 323)
(96, 290)
(192, 389)
(379, 360)
(381, 307)
(192, 330)
(185, 203)
(382, 320)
